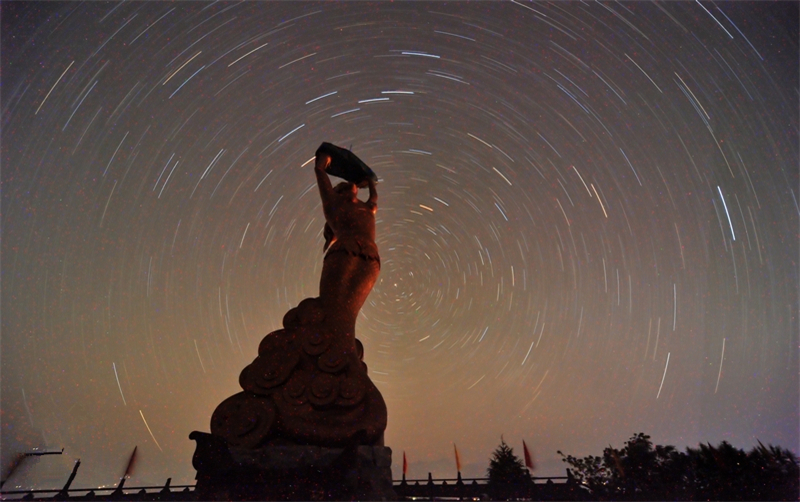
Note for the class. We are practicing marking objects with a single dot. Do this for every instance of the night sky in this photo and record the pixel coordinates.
(588, 221)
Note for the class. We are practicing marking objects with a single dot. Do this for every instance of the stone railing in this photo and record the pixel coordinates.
(534, 488)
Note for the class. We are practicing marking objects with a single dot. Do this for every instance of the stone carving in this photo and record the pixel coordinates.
(309, 384)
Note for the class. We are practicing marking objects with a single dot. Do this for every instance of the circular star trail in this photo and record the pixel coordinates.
(587, 221)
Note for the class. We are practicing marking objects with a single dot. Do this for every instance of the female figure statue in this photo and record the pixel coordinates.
(352, 263)
(309, 384)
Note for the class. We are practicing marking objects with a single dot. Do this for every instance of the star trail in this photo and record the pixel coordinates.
(588, 221)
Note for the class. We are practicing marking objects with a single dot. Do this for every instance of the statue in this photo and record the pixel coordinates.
(352, 263)
(309, 385)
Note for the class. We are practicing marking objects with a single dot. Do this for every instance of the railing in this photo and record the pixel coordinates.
(164, 492)
(480, 481)
(533, 488)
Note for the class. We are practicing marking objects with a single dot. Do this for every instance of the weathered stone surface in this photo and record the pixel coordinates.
(291, 472)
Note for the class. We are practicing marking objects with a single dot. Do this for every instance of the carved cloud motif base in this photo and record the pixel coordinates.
(307, 386)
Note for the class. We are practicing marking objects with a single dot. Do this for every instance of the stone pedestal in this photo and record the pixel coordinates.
(290, 472)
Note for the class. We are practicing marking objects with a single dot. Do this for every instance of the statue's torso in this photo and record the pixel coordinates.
(353, 221)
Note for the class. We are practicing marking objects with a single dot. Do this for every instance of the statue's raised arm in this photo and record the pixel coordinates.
(352, 262)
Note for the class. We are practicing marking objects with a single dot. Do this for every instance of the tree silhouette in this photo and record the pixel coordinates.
(507, 474)
(725, 472)
(641, 471)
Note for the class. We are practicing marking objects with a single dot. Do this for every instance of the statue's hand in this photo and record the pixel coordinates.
(323, 161)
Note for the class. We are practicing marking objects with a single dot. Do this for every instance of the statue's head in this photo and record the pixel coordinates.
(346, 188)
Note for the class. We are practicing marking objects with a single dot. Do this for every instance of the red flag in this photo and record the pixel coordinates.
(528, 458)
(458, 459)
(131, 464)
(405, 464)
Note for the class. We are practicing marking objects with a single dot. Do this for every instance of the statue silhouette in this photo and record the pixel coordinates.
(309, 384)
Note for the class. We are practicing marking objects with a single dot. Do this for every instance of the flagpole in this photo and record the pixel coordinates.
(405, 466)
